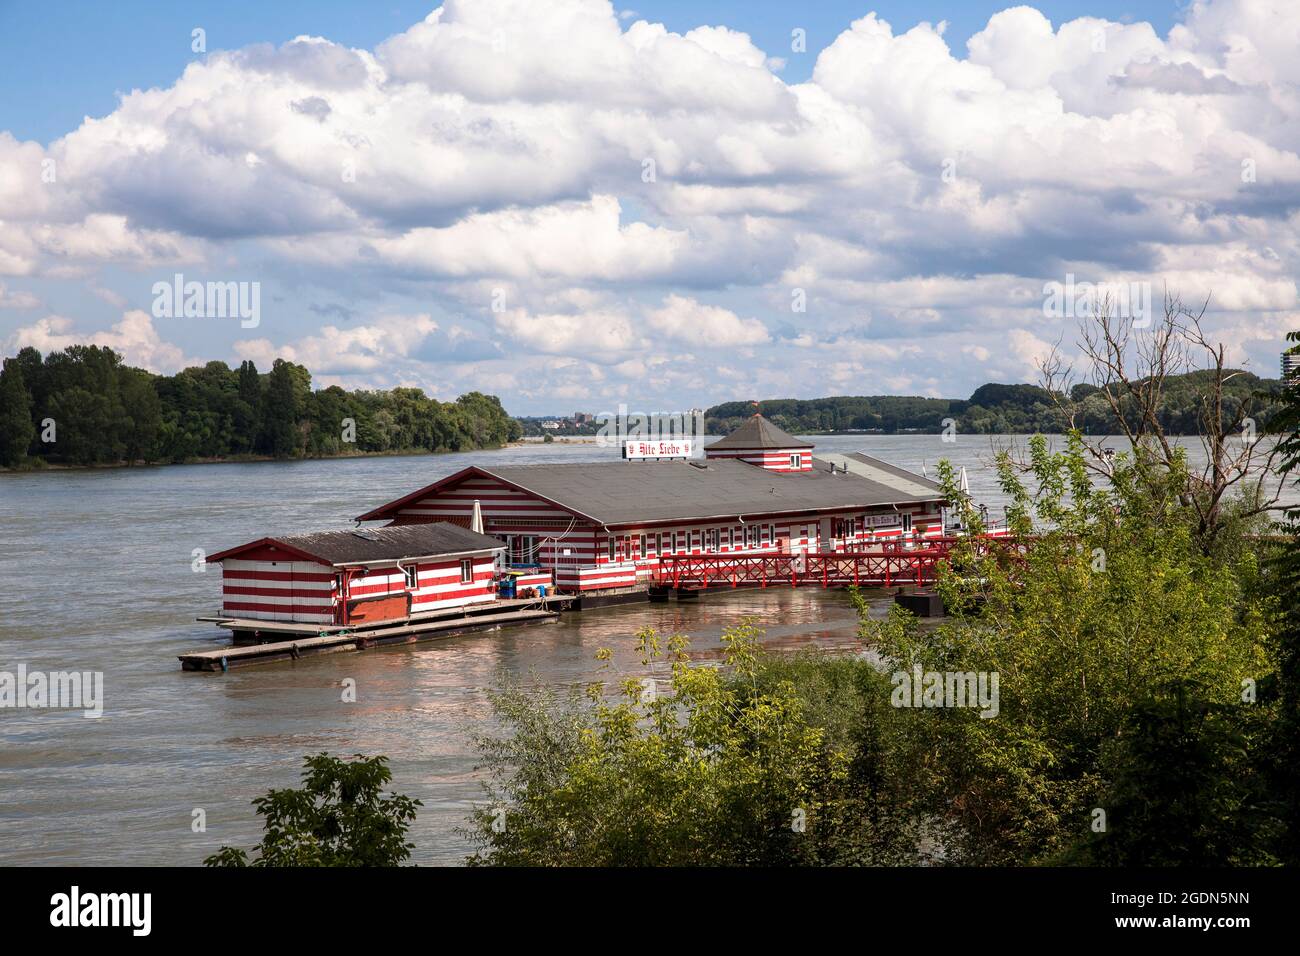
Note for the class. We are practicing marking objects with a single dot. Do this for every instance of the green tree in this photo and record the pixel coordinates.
(281, 411)
(16, 429)
(1285, 568)
(339, 817)
(714, 769)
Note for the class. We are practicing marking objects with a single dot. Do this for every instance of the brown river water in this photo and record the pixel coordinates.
(95, 575)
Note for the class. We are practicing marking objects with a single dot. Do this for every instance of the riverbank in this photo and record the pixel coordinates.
(41, 466)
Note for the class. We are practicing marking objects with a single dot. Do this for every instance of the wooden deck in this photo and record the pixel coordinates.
(258, 641)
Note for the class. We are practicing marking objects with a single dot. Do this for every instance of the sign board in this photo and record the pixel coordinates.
(638, 448)
(877, 521)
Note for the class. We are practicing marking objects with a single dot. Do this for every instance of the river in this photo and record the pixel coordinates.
(96, 572)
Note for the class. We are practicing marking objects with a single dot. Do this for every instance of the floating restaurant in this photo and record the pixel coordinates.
(610, 527)
(492, 545)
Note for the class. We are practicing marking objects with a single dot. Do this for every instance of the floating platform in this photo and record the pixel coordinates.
(294, 641)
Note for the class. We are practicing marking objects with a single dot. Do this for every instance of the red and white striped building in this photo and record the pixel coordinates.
(604, 526)
(358, 576)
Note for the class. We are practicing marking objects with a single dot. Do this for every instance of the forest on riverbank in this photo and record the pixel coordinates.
(83, 406)
(1003, 409)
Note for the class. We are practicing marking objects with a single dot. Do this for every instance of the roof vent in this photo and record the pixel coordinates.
(703, 466)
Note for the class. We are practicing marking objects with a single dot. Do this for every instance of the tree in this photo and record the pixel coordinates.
(16, 428)
(714, 769)
(1285, 568)
(1183, 790)
(281, 411)
(339, 817)
(1131, 369)
(1097, 599)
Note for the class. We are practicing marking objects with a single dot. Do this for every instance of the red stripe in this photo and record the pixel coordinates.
(324, 596)
(312, 609)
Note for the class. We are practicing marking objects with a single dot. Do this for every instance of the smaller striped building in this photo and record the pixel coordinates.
(358, 576)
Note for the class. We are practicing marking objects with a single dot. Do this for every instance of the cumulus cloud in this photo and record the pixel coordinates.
(17, 299)
(622, 185)
(334, 351)
(686, 320)
(134, 337)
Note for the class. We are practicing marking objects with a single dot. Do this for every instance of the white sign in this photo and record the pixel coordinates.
(666, 448)
(876, 521)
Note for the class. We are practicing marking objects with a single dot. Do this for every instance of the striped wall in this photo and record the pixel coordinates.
(308, 593)
(498, 501)
(301, 591)
(579, 552)
(773, 459)
(438, 584)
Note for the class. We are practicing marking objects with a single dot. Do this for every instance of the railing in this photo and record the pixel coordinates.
(894, 564)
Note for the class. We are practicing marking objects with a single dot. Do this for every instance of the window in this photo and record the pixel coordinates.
(521, 548)
(714, 539)
(659, 542)
(676, 542)
(412, 575)
(466, 570)
(643, 543)
(763, 539)
(731, 538)
(613, 548)
(907, 523)
(796, 461)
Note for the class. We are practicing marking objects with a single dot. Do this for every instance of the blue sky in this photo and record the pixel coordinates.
(465, 203)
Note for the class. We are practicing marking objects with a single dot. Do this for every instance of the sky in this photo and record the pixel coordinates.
(576, 205)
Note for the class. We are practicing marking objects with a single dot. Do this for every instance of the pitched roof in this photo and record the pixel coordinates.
(367, 545)
(883, 472)
(758, 432)
(620, 492)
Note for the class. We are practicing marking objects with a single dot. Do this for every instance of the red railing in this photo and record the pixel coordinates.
(892, 566)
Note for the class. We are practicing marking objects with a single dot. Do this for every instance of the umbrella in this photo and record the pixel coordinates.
(963, 483)
(476, 523)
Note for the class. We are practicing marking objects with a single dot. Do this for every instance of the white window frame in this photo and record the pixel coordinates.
(411, 574)
(796, 461)
(907, 522)
(466, 570)
(613, 549)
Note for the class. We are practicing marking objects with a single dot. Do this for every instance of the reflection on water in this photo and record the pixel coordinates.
(97, 575)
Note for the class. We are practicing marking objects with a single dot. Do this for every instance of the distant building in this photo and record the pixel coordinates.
(1290, 365)
(551, 426)
(581, 418)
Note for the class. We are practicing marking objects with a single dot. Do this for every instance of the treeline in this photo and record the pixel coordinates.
(83, 406)
(1001, 409)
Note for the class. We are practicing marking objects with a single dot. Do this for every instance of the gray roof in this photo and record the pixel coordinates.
(883, 472)
(631, 492)
(366, 545)
(758, 432)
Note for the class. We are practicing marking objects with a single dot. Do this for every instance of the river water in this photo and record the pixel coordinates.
(96, 575)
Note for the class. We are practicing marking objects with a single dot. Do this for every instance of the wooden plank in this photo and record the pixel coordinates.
(278, 650)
